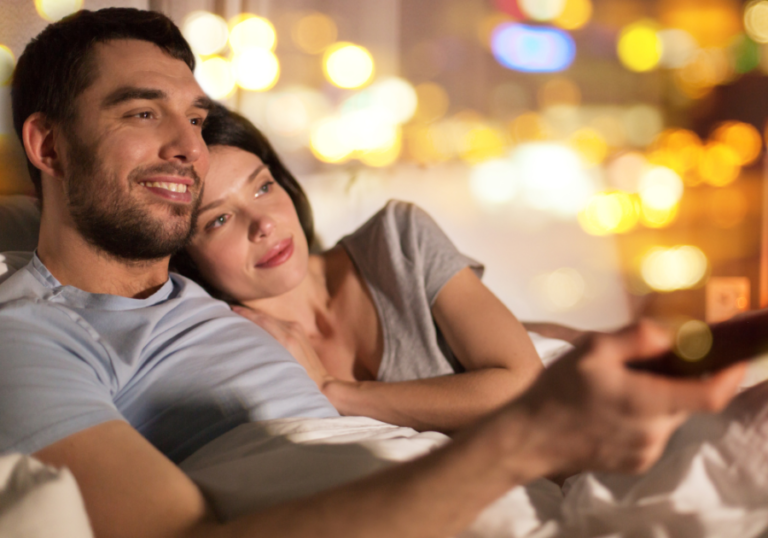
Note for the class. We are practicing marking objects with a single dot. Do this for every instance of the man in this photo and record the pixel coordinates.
(115, 370)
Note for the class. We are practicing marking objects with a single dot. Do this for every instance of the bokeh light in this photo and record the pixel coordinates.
(756, 20)
(693, 340)
(712, 23)
(249, 31)
(590, 144)
(719, 164)
(642, 124)
(675, 268)
(742, 138)
(651, 217)
(421, 145)
(624, 172)
(542, 10)
(529, 127)
(482, 142)
(660, 188)
(395, 96)
(553, 178)
(678, 48)
(611, 128)
(384, 155)
(610, 213)
(680, 150)
(366, 130)
(575, 14)
(55, 10)
(559, 91)
(745, 54)
(7, 63)
(534, 49)
(561, 289)
(493, 182)
(639, 46)
(708, 68)
(291, 112)
(215, 77)
(511, 8)
(205, 32)
(327, 142)
(347, 65)
(256, 69)
(432, 102)
(314, 32)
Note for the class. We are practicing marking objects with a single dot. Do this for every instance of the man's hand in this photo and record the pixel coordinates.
(292, 337)
(588, 411)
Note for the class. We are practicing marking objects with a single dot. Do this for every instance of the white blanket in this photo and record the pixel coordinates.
(256, 465)
(711, 482)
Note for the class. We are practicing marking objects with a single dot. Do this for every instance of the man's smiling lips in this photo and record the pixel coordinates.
(172, 188)
(277, 255)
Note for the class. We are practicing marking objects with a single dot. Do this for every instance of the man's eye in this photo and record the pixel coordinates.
(144, 115)
(197, 121)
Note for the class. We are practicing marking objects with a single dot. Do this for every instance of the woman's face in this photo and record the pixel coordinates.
(249, 242)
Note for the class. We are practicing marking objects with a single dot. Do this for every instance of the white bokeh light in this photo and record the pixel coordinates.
(493, 182)
(205, 32)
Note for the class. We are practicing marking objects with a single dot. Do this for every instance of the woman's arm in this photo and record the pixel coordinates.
(555, 330)
(487, 339)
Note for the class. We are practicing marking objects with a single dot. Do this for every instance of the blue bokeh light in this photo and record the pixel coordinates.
(534, 49)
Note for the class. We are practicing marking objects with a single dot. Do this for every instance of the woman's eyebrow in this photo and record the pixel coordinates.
(253, 175)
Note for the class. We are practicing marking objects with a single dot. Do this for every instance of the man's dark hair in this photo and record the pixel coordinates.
(226, 128)
(58, 65)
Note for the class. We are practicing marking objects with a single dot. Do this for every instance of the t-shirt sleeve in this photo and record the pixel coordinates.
(54, 379)
(422, 241)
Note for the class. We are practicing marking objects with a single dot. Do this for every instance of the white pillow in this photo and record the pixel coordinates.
(38, 501)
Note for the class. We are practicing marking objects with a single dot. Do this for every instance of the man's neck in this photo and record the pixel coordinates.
(75, 262)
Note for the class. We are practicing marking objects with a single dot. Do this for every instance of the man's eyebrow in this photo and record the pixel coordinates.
(218, 202)
(204, 102)
(131, 93)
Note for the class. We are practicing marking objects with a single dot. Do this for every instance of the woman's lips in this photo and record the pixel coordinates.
(277, 255)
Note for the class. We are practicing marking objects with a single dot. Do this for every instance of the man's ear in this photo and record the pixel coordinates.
(38, 137)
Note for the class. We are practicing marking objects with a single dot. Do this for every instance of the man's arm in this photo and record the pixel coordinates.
(586, 411)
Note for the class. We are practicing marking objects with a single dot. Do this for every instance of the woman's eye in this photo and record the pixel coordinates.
(265, 188)
(217, 222)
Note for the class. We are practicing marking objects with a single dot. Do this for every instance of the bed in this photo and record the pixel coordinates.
(712, 481)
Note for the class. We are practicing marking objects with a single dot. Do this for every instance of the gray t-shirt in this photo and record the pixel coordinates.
(406, 259)
(179, 366)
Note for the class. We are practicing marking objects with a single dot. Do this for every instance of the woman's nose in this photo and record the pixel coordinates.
(261, 228)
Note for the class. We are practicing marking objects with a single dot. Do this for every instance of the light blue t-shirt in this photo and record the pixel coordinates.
(179, 366)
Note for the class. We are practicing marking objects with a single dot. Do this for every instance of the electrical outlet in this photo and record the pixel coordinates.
(726, 296)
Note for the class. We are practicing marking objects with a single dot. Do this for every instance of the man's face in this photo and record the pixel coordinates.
(134, 157)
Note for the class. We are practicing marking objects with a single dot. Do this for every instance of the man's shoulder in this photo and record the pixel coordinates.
(15, 282)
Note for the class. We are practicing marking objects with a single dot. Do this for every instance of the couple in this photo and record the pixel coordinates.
(117, 369)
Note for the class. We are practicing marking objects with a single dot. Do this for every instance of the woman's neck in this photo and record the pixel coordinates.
(304, 303)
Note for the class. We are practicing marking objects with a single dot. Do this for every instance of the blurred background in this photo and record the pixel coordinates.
(602, 158)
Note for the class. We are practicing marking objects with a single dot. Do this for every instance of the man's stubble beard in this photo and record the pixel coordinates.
(110, 219)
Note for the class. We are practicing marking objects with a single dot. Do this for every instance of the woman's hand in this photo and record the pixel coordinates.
(293, 338)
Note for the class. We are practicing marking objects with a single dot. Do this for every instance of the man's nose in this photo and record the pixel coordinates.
(184, 142)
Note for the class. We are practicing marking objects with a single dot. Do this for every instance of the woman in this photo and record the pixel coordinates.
(377, 320)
